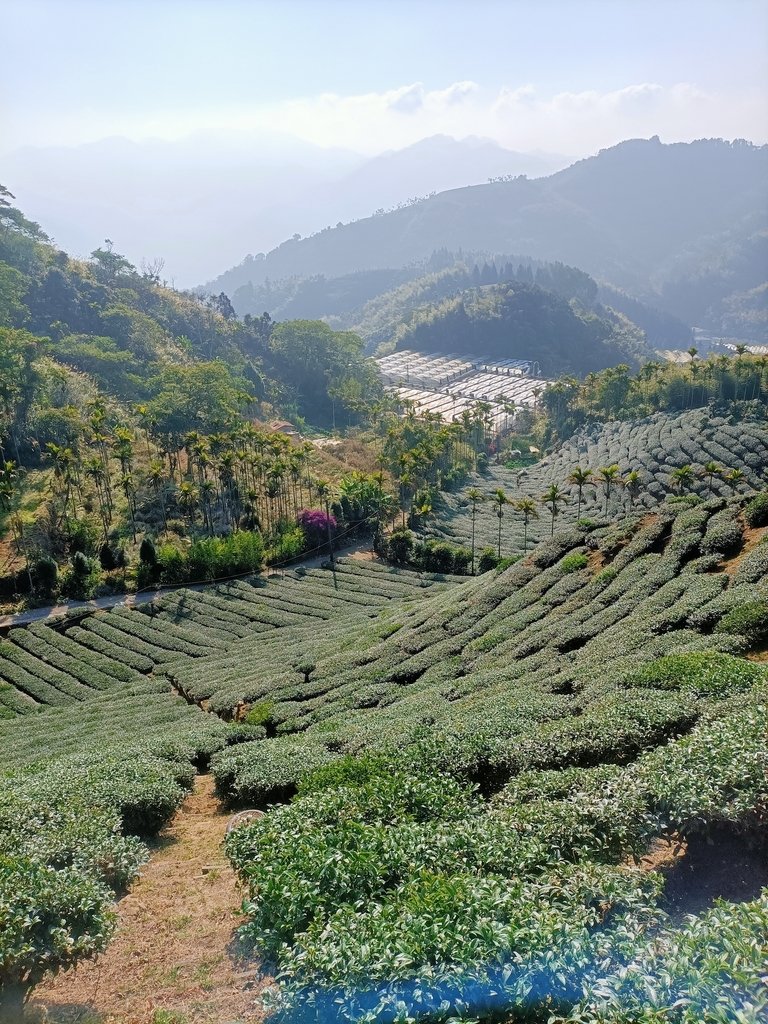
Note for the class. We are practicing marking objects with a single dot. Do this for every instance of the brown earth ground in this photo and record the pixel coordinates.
(753, 535)
(174, 958)
(723, 864)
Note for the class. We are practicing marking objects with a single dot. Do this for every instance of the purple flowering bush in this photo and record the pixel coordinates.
(315, 523)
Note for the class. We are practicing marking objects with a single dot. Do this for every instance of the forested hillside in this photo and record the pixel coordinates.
(671, 223)
(521, 321)
(132, 414)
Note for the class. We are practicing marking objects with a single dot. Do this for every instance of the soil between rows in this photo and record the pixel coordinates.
(175, 949)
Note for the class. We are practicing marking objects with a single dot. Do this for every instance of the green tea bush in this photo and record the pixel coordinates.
(708, 969)
(574, 562)
(708, 674)
(723, 535)
(52, 917)
(756, 510)
(262, 773)
(748, 620)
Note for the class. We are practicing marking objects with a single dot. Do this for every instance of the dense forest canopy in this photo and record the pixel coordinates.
(128, 330)
(522, 321)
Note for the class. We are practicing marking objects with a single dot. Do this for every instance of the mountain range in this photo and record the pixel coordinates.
(683, 226)
(201, 202)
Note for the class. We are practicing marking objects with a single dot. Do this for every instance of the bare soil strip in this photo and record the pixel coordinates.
(174, 957)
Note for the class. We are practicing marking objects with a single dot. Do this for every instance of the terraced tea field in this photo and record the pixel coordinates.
(461, 775)
(654, 447)
(56, 666)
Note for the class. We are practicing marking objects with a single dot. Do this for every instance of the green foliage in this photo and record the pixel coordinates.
(260, 713)
(574, 562)
(749, 620)
(147, 552)
(706, 674)
(756, 510)
(482, 322)
(52, 917)
(45, 573)
(257, 774)
(321, 366)
(440, 557)
(81, 580)
(400, 546)
(488, 560)
(706, 970)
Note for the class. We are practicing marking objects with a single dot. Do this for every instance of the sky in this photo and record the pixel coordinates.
(559, 75)
(202, 130)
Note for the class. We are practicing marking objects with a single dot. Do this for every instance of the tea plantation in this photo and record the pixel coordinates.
(461, 775)
(654, 448)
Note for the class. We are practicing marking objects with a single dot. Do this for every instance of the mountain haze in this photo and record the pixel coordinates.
(201, 202)
(639, 215)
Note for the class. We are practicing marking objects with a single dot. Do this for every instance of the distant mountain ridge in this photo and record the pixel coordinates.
(201, 202)
(635, 215)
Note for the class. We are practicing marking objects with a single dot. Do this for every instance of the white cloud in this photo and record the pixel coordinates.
(517, 116)
(407, 99)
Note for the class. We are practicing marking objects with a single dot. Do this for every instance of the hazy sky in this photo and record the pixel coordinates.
(559, 75)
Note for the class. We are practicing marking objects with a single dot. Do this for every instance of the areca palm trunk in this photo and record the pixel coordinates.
(474, 513)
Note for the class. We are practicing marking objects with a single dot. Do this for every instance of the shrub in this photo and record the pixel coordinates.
(441, 557)
(81, 579)
(82, 537)
(703, 673)
(574, 562)
(315, 521)
(723, 536)
(488, 560)
(400, 546)
(260, 713)
(147, 552)
(172, 564)
(756, 510)
(504, 563)
(748, 620)
(45, 573)
(51, 918)
(107, 559)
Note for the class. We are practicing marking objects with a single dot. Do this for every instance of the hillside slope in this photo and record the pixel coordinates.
(653, 448)
(626, 215)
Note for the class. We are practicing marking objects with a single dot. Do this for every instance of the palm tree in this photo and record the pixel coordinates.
(527, 508)
(734, 477)
(553, 497)
(632, 484)
(129, 489)
(500, 499)
(156, 477)
(711, 470)
(608, 476)
(324, 493)
(188, 500)
(475, 498)
(94, 470)
(207, 494)
(682, 478)
(580, 478)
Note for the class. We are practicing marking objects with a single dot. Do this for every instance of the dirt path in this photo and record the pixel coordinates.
(753, 535)
(173, 957)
